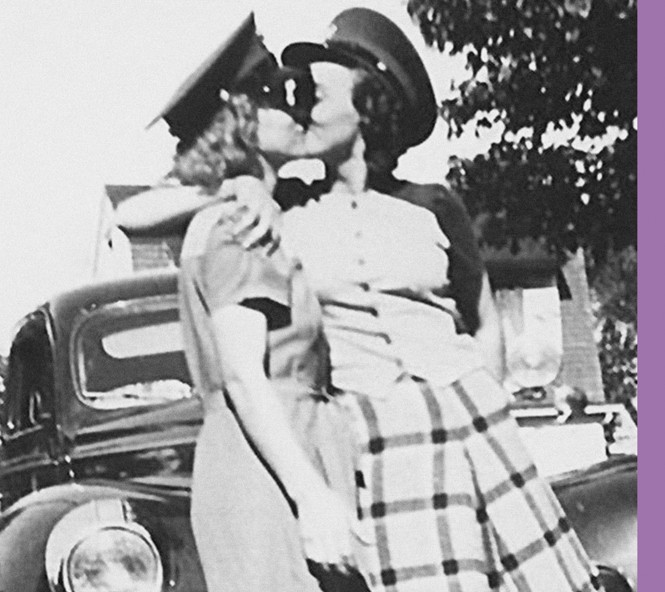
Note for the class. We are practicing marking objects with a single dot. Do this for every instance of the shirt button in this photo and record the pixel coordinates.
(358, 234)
(361, 261)
(354, 204)
(364, 286)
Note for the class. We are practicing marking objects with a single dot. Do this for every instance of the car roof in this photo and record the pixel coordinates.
(64, 306)
(138, 285)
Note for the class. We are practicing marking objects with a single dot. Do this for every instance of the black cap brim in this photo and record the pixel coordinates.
(197, 98)
(304, 53)
(356, 56)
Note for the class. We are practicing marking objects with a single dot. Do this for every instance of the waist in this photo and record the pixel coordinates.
(289, 391)
(289, 388)
(372, 366)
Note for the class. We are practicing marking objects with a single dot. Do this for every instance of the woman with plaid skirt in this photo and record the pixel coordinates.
(453, 497)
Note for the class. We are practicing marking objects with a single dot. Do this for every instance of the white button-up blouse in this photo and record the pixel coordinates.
(379, 268)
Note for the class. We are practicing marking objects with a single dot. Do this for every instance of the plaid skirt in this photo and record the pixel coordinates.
(453, 497)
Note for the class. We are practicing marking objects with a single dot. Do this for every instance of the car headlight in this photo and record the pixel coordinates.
(98, 547)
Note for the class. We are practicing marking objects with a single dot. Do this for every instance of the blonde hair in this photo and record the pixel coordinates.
(226, 148)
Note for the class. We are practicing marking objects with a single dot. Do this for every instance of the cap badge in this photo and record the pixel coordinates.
(332, 29)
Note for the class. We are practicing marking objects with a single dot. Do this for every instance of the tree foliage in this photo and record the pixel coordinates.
(538, 66)
(614, 290)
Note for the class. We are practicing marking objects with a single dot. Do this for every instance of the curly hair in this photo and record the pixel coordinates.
(381, 125)
(226, 148)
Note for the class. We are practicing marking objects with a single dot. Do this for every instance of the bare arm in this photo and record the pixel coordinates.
(325, 523)
(161, 207)
(169, 208)
(489, 334)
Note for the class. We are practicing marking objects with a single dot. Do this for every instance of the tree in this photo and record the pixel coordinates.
(538, 67)
(614, 290)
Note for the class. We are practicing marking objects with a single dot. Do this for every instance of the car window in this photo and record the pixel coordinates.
(130, 353)
(29, 389)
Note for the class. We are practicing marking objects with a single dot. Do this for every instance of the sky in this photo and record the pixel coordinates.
(80, 81)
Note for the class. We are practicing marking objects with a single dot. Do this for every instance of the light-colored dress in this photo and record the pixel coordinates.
(454, 498)
(243, 522)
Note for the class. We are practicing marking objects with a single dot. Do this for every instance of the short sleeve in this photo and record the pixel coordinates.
(466, 267)
(226, 273)
(230, 274)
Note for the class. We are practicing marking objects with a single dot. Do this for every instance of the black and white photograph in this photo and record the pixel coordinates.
(318, 295)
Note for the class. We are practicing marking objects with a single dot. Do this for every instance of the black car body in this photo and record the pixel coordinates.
(99, 425)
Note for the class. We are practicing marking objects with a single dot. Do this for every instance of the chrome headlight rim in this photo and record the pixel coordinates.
(88, 522)
(135, 530)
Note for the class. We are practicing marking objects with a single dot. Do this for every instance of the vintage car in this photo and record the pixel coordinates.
(99, 424)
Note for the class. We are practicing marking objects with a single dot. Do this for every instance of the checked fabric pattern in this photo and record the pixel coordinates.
(454, 498)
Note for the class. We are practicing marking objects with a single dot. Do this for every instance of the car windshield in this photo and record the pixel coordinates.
(130, 353)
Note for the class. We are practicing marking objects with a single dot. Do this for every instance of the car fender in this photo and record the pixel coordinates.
(601, 505)
(25, 528)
